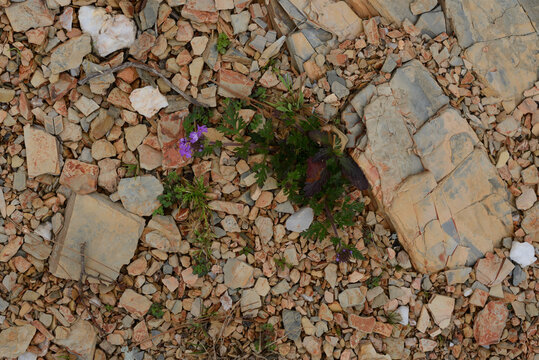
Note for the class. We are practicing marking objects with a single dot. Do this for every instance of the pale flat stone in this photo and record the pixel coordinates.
(238, 274)
(29, 14)
(162, 233)
(42, 152)
(436, 184)
(147, 101)
(336, 17)
(82, 339)
(139, 194)
(441, 308)
(101, 224)
(506, 73)
(394, 11)
(492, 270)
(15, 340)
(483, 20)
(69, 55)
(109, 33)
(136, 304)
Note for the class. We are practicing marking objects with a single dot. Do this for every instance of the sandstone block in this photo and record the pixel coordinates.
(42, 152)
(110, 232)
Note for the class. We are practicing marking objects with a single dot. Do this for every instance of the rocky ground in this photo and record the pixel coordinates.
(438, 100)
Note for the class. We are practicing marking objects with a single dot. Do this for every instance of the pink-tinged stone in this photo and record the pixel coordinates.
(492, 270)
(14, 340)
(201, 11)
(141, 335)
(170, 131)
(37, 36)
(189, 278)
(29, 14)
(108, 174)
(313, 346)
(227, 207)
(21, 264)
(441, 307)
(10, 249)
(79, 176)
(142, 46)
(490, 322)
(95, 220)
(119, 98)
(137, 267)
(42, 152)
(367, 351)
(383, 329)
(233, 84)
(479, 297)
(185, 32)
(371, 31)
(365, 324)
(136, 304)
(25, 109)
(58, 89)
(171, 283)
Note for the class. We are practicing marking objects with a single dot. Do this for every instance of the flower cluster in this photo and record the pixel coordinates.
(344, 255)
(187, 145)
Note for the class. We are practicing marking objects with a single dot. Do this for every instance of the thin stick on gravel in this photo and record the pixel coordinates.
(142, 67)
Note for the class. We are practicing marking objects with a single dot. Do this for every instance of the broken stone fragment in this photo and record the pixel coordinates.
(492, 270)
(147, 100)
(81, 338)
(301, 220)
(441, 308)
(472, 24)
(136, 304)
(162, 233)
(169, 132)
(200, 11)
(506, 73)
(27, 15)
(109, 33)
(15, 340)
(490, 323)
(139, 194)
(79, 176)
(109, 231)
(233, 84)
(336, 17)
(394, 11)
(238, 274)
(69, 55)
(42, 152)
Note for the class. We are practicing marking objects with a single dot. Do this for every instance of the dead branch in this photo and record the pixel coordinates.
(144, 67)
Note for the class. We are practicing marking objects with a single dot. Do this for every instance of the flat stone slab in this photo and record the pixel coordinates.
(42, 152)
(436, 184)
(139, 194)
(483, 20)
(110, 232)
(507, 74)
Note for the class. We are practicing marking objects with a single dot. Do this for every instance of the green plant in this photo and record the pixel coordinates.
(306, 158)
(109, 307)
(281, 263)
(191, 195)
(222, 43)
(265, 339)
(156, 310)
(374, 281)
(393, 318)
(133, 170)
(198, 116)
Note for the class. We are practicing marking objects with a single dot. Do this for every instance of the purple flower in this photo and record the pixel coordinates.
(344, 255)
(185, 148)
(185, 144)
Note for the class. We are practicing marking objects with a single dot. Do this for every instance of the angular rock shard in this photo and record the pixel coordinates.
(110, 233)
(42, 152)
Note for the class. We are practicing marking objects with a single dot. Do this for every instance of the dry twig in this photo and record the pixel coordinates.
(144, 67)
